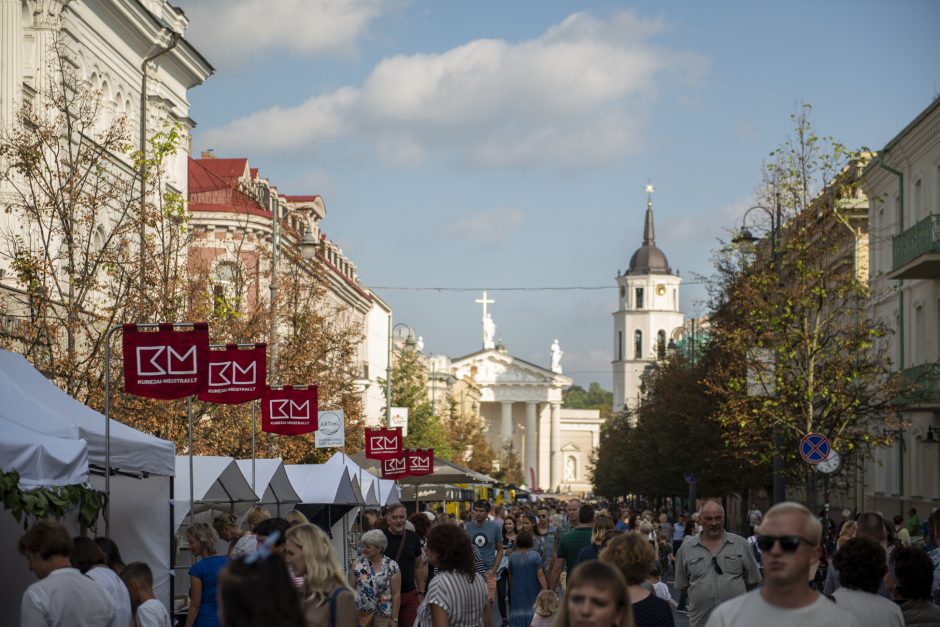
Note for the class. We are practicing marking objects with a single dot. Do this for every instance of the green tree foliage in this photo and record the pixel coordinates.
(410, 389)
(595, 397)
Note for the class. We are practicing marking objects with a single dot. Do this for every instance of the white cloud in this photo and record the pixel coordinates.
(229, 31)
(488, 227)
(577, 94)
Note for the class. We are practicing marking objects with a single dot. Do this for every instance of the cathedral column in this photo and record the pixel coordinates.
(47, 22)
(11, 60)
(545, 452)
(531, 444)
(555, 445)
(505, 427)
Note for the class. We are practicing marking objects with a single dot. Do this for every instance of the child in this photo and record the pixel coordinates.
(139, 581)
(546, 604)
(661, 589)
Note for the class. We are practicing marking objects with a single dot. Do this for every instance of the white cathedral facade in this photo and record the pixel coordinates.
(647, 316)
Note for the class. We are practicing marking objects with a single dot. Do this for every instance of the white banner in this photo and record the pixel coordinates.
(332, 431)
(400, 419)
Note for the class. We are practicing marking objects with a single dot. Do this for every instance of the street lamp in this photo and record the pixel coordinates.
(745, 236)
(409, 344)
(308, 250)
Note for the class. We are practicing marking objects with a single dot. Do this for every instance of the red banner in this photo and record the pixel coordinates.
(384, 443)
(289, 411)
(420, 462)
(394, 468)
(165, 364)
(236, 375)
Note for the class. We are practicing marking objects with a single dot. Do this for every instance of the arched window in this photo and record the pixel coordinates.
(638, 344)
(661, 344)
(619, 345)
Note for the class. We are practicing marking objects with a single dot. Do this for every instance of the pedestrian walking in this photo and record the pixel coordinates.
(256, 591)
(596, 595)
(546, 605)
(913, 572)
(714, 566)
(527, 581)
(487, 536)
(862, 568)
(633, 556)
(502, 576)
(457, 596)
(138, 578)
(566, 556)
(240, 541)
(327, 599)
(789, 538)
(602, 530)
(405, 548)
(90, 561)
(376, 578)
(871, 525)
(204, 576)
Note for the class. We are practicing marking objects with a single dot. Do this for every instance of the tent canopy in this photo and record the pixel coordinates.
(35, 402)
(41, 460)
(272, 485)
(444, 472)
(322, 484)
(217, 482)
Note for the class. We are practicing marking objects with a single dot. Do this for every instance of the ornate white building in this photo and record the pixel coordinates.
(647, 315)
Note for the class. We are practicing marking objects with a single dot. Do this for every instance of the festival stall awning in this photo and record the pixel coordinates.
(272, 485)
(444, 472)
(322, 484)
(363, 480)
(217, 484)
(41, 460)
(36, 403)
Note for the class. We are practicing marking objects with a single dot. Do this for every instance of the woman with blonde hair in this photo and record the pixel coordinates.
(846, 533)
(596, 595)
(326, 596)
(204, 576)
(296, 517)
(633, 556)
(240, 542)
(602, 531)
(255, 515)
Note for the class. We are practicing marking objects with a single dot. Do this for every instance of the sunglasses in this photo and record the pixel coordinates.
(717, 567)
(789, 544)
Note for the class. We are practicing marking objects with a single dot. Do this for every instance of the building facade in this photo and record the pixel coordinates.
(902, 184)
(646, 317)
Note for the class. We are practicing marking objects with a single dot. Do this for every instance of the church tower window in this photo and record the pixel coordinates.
(619, 345)
(661, 344)
(639, 298)
(638, 345)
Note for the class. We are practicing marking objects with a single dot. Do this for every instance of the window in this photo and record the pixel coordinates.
(619, 345)
(638, 344)
(918, 339)
(661, 344)
(639, 298)
(224, 290)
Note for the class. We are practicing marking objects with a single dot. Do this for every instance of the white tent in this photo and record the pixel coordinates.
(218, 484)
(322, 484)
(375, 491)
(41, 460)
(140, 492)
(272, 485)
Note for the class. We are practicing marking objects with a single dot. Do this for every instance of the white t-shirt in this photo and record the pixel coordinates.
(66, 598)
(662, 591)
(871, 610)
(117, 592)
(751, 609)
(152, 613)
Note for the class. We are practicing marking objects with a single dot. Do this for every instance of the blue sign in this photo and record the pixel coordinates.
(815, 448)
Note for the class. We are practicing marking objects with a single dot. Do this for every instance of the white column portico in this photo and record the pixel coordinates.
(505, 427)
(555, 445)
(519, 401)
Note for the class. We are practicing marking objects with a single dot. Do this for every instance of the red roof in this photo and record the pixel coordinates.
(226, 168)
(202, 179)
(308, 198)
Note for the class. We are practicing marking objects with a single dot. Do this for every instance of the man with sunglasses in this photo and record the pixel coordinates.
(714, 566)
(789, 539)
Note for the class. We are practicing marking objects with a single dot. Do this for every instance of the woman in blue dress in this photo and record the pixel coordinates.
(527, 580)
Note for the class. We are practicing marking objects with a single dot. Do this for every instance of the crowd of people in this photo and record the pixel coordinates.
(531, 564)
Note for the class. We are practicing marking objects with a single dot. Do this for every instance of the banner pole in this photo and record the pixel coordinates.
(192, 504)
(254, 409)
(107, 429)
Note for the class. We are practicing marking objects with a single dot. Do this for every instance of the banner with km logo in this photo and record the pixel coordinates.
(165, 363)
(289, 410)
(236, 375)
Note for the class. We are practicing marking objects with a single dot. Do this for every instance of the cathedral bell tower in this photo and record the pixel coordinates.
(647, 314)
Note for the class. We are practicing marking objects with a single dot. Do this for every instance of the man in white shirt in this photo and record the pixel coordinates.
(63, 597)
(789, 538)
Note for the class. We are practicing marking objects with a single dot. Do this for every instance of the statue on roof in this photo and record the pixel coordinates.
(489, 332)
(556, 357)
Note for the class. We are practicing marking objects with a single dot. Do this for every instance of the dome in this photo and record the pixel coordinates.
(648, 259)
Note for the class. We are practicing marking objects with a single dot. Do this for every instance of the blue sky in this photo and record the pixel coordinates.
(504, 144)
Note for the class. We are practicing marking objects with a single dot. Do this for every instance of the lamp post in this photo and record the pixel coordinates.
(409, 344)
(308, 250)
(745, 236)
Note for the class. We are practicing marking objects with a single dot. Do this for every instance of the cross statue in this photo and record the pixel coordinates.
(484, 301)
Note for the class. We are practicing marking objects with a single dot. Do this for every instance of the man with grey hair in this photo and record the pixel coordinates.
(714, 566)
(789, 538)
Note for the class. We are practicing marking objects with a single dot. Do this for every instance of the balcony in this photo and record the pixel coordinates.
(916, 251)
(921, 385)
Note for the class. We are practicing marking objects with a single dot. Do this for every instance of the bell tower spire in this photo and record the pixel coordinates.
(649, 237)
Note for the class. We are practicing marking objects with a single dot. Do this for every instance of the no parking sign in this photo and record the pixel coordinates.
(815, 448)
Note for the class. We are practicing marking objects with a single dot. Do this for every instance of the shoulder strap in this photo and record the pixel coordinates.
(401, 546)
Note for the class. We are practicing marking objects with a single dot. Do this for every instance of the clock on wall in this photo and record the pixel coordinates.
(660, 289)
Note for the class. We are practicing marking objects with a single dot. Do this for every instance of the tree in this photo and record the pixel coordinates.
(798, 323)
(595, 397)
(410, 389)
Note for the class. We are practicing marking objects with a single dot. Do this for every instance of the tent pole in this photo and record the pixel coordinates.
(192, 489)
(254, 410)
(107, 429)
